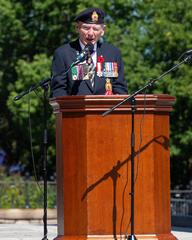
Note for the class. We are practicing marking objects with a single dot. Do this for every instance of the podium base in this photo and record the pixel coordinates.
(168, 236)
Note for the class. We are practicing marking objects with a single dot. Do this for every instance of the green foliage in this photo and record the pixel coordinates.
(28, 73)
(15, 192)
(151, 34)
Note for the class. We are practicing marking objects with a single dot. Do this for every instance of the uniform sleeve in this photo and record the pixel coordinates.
(119, 84)
(59, 77)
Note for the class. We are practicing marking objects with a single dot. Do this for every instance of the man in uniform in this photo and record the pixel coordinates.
(99, 72)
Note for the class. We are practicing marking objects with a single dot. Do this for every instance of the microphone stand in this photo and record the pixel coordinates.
(45, 142)
(45, 85)
(132, 101)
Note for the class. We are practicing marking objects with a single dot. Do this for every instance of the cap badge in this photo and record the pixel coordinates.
(94, 16)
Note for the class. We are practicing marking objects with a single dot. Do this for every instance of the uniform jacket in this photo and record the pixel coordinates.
(62, 83)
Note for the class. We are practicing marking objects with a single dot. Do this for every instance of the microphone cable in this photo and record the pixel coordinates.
(137, 171)
(31, 143)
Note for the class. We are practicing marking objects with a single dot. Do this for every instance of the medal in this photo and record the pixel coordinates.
(99, 69)
(111, 70)
(80, 72)
(100, 60)
(108, 87)
(106, 69)
(115, 67)
(74, 72)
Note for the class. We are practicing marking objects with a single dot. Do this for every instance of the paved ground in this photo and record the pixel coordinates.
(34, 231)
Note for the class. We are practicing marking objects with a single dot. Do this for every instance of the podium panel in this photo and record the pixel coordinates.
(94, 167)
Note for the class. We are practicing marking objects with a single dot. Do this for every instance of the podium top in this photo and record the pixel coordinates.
(156, 103)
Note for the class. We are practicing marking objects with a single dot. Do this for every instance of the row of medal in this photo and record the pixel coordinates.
(107, 69)
(80, 72)
(110, 69)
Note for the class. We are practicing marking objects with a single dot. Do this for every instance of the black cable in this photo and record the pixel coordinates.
(123, 201)
(137, 170)
(141, 136)
(31, 144)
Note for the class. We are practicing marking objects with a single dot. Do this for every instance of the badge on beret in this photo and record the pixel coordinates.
(94, 16)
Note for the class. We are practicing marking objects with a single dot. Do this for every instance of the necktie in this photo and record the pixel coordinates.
(91, 70)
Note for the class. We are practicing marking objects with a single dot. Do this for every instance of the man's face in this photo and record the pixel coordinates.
(90, 33)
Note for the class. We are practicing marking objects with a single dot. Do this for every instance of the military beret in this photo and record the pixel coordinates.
(91, 15)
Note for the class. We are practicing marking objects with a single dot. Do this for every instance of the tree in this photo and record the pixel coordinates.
(151, 35)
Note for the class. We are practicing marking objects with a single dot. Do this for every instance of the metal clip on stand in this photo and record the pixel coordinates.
(132, 101)
(44, 84)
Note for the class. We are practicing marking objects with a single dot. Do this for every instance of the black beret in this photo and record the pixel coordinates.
(91, 15)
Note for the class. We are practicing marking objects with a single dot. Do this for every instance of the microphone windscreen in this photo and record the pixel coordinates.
(89, 48)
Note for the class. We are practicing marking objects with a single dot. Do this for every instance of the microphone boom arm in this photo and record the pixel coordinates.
(148, 85)
(33, 88)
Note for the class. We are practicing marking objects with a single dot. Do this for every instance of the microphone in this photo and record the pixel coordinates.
(187, 55)
(88, 50)
(189, 52)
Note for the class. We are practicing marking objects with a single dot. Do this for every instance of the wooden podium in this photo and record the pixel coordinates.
(93, 167)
